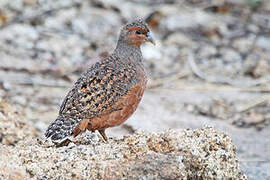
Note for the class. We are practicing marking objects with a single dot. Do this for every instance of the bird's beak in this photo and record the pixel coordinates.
(150, 38)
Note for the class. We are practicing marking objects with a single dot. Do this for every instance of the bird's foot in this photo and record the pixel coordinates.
(102, 133)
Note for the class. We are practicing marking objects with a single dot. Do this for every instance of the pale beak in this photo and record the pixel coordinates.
(150, 38)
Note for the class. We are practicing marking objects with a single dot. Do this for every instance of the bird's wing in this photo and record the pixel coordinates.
(98, 89)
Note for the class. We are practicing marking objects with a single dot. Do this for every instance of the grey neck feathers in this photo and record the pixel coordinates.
(128, 52)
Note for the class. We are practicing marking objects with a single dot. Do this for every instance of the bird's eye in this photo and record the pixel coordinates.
(138, 32)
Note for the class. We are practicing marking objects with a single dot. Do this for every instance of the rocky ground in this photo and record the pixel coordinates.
(210, 65)
(172, 154)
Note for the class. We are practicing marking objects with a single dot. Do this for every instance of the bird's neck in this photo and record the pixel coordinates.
(126, 51)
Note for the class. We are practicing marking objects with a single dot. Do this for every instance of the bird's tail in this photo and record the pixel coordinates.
(61, 128)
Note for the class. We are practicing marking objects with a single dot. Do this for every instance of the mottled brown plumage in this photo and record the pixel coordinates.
(108, 92)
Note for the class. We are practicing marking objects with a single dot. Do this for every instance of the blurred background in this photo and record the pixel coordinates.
(211, 64)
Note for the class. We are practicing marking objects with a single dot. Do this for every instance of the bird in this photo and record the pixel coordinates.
(108, 92)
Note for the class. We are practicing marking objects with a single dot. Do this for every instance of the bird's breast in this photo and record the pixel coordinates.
(122, 110)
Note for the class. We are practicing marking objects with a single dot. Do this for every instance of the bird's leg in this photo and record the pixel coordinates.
(102, 133)
(64, 143)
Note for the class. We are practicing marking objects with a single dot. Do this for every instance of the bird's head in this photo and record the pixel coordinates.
(136, 33)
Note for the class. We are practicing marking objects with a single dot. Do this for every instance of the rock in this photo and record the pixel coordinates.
(244, 45)
(178, 39)
(12, 128)
(263, 42)
(253, 28)
(173, 154)
(16, 5)
(206, 50)
(260, 69)
(12, 168)
(184, 20)
(230, 56)
(20, 35)
(250, 65)
(30, 2)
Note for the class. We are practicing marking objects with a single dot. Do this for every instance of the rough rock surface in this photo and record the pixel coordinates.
(12, 128)
(172, 154)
